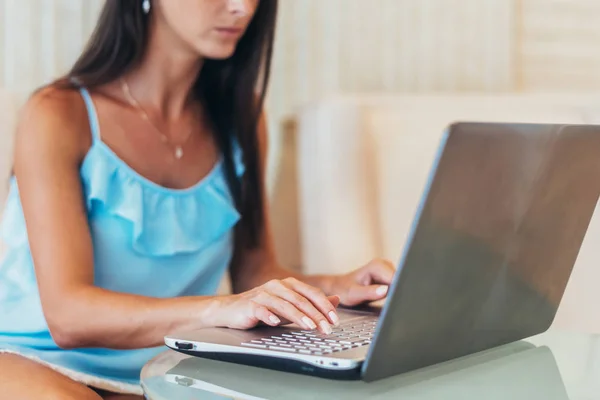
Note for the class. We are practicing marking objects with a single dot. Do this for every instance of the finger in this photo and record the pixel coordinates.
(288, 290)
(263, 314)
(283, 309)
(334, 300)
(318, 299)
(360, 294)
(381, 271)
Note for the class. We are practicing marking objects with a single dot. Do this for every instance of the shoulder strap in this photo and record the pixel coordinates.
(92, 114)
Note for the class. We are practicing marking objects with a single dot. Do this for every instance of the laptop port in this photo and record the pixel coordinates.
(184, 346)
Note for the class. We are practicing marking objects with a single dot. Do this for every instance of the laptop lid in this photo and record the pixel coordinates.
(493, 244)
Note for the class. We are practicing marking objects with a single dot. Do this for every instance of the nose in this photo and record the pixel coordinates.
(239, 7)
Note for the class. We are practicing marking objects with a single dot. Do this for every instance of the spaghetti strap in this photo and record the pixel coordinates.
(92, 114)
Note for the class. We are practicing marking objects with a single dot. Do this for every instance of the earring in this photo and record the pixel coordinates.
(146, 6)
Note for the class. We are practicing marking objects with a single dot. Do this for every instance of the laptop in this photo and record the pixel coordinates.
(487, 259)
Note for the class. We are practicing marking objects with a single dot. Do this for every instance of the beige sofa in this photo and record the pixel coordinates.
(363, 162)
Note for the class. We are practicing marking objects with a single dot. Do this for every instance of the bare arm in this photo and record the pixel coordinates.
(50, 145)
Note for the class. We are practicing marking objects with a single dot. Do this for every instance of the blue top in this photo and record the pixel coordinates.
(148, 240)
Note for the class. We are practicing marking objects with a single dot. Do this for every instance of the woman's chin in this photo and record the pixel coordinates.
(219, 52)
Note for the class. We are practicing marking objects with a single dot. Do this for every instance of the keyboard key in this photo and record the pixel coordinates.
(324, 336)
(351, 341)
(305, 351)
(287, 335)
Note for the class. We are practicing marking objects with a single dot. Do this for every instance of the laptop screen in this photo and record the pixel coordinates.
(494, 246)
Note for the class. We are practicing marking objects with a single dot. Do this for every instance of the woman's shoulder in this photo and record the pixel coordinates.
(55, 104)
(54, 115)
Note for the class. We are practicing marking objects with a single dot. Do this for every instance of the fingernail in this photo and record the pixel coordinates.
(274, 320)
(326, 327)
(381, 290)
(334, 318)
(309, 323)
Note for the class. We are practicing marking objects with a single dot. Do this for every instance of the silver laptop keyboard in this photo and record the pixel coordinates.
(350, 334)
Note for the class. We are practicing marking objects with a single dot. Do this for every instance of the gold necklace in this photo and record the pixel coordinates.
(177, 148)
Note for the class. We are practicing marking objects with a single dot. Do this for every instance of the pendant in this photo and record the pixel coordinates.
(178, 152)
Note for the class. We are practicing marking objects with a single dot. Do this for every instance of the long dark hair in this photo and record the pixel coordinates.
(227, 89)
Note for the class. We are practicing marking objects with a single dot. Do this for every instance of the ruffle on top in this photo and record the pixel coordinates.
(164, 221)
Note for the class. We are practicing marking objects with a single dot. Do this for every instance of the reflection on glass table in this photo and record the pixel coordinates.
(532, 369)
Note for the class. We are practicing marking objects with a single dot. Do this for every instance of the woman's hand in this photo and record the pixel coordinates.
(366, 284)
(278, 302)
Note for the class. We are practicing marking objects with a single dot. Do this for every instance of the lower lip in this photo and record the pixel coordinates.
(229, 32)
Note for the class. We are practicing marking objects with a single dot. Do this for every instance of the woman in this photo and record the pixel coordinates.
(138, 183)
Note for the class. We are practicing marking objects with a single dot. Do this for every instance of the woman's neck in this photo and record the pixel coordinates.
(164, 78)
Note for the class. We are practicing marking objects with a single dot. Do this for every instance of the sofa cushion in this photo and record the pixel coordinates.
(336, 190)
(406, 144)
